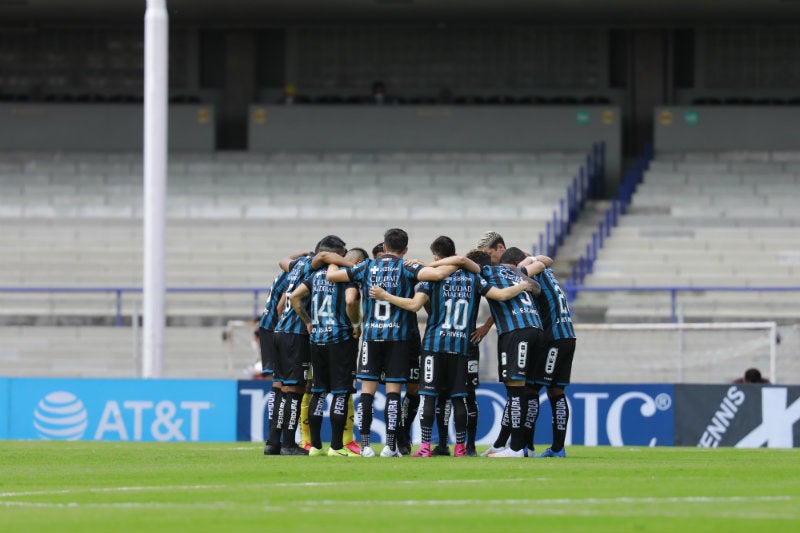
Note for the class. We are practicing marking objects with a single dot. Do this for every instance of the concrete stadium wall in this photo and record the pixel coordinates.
(100, 127)
(457, 128)
(714, 128)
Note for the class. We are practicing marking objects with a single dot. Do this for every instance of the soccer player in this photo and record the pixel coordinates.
(384, 347)
(520, 337)
(493, 244)
(333, 327)
(410, 402)
(446, 341)
(294, 354)
(554, 366)
(266, 329)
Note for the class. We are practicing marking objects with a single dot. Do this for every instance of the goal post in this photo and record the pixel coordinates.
(242, 353)
(689, 352)
(693, 352)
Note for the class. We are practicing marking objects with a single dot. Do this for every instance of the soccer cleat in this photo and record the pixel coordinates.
(293, 450)
(492, 450)
(272, 449)
(315, 452)
(306, 445)
(404, 449)
(460, 450)
(367, 451)
(341, 452)
(441, 449)
(550, 453)
(388, 452)
(354, 447)
(423, 451)
(508, 453)
(471, 451)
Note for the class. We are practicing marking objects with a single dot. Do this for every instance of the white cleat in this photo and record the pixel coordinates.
(367, 451)
(492, 450)
(508, 452)
(388, 452)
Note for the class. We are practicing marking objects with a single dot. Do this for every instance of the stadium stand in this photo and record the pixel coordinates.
(74, 220)
(724, 219)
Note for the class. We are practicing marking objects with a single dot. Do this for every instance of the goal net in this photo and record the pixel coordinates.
(713, 352)
(242, 351)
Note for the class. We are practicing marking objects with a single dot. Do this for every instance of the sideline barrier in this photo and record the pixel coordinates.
(226, 410)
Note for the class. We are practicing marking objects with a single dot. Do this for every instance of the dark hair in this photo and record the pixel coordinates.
(396, 240)
(513, 256)
(752, 375)
(480, 257)
(331, 243)
(362, 252)
(443, 246)
(377, 249)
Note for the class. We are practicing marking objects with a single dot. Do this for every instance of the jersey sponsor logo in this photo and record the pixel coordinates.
(550, 364)
(522, 354)
(428, 369)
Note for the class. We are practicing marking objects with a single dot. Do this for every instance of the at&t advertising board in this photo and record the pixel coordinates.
(122, 410)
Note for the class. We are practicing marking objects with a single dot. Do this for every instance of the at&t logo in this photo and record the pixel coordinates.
(60, 416)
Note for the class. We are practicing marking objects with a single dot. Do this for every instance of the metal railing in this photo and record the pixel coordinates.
(573, 291)
(120, 291)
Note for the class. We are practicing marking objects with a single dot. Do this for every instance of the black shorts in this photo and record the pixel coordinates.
(473, 366)
(334, 366)
(517, 351)
(554, 364)
(266, 340)
(414, 356)
(294, 358)
(383, 358)
(443, 373)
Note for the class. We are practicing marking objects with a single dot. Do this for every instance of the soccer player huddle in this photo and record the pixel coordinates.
(335, 316)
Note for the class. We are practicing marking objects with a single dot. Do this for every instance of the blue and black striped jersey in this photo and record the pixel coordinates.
(453, 308)
(299, 270)
(383, 321)
(518, 312)
(271, 314)
(553, 306)
(329, 321)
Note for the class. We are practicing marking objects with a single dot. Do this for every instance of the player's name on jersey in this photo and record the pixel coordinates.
(459, 334)
(383, 325)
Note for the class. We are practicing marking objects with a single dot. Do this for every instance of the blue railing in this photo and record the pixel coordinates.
(619, 207)
(573, 291)
(589, 182)
(119, 291)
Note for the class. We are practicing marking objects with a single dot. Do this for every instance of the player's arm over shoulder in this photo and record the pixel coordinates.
(457, 261)
(286, 263)
(409, 304)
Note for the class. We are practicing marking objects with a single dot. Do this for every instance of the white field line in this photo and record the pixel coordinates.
(301, 484)
(561, 507)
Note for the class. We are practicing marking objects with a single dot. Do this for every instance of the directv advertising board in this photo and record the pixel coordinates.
(614, 415)
(122, 410)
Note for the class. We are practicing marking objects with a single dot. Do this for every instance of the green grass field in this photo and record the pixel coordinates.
(212, 487)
